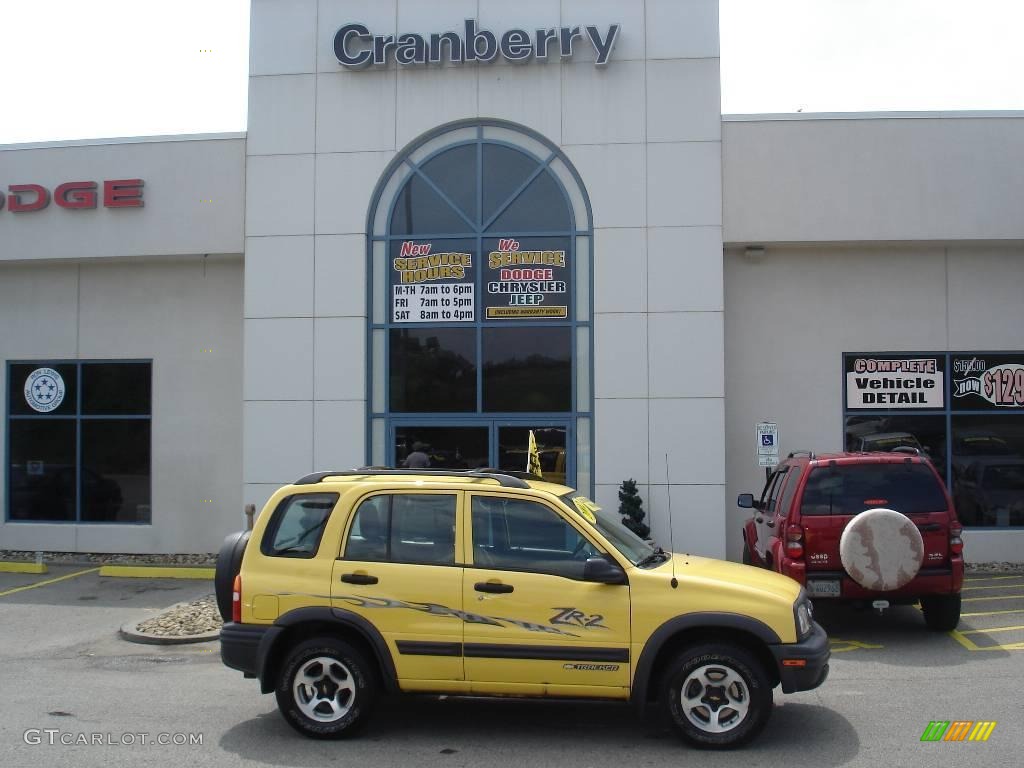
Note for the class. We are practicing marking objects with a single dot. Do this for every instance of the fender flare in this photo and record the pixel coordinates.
(339, 617)
(672, 627)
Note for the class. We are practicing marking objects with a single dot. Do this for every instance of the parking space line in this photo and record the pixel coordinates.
(993, 629)
(997, 597)
(967, 643)
(994, 578)
(991, 613)
(48, 581)
(993, 586)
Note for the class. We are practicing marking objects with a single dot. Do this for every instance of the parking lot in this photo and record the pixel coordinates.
(64, 669)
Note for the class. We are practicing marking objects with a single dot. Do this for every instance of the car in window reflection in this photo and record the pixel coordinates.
(990, 492)
(884, 441)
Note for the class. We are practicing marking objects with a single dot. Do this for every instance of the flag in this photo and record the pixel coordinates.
(533, 457)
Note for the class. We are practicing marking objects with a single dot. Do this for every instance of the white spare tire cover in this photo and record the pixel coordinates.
(881, 549)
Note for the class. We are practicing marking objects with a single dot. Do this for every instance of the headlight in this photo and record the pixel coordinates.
(803, 617)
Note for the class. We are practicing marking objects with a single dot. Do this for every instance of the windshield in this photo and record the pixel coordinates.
(619, 536)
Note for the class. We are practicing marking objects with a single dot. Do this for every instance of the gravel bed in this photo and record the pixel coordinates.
(976, 568)
(196, 618)
(75, 558)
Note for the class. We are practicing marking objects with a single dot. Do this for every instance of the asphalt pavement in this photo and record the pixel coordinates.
(65, 675)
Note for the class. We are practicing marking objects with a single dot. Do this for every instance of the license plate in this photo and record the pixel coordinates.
(823, 587)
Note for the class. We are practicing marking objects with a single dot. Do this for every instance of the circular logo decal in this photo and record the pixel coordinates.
(44, 390)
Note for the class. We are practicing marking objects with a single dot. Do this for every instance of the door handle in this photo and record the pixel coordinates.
(758, 519)
(770, 523)
(495, 587)
(358, 578)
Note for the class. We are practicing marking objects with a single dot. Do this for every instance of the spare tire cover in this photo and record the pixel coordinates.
(881, 549)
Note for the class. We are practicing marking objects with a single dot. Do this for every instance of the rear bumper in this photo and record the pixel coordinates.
(929, 581)
(240, 646)
(803, 666)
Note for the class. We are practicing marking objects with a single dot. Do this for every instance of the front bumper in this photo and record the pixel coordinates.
(804, 665)
(241, 645)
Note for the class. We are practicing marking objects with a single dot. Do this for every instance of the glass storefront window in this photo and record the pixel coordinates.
(480, 306)
(963, 410)
(513, 447)
(79, 441)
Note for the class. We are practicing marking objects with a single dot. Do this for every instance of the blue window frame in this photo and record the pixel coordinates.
(493, 219)
(78, 441)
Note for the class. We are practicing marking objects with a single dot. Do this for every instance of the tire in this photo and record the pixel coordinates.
(941, 612)
(747, 560)
(326, 688)
(718, 671)
(229, 563)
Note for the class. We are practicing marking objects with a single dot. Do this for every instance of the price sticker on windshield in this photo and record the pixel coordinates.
(586, 508)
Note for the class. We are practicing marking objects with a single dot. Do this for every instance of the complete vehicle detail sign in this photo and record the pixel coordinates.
(356, 47)
(905, 381)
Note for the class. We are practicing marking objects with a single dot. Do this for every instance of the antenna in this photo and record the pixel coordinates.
(671, 543)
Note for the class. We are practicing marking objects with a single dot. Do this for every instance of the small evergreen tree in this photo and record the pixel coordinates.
(631, 509)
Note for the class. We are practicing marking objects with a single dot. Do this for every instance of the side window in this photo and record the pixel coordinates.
(787, 495)
(298, 525)
(520, 535)
(783, 475)
(404, 528)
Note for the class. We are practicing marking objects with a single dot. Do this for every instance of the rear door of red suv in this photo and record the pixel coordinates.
(838, 490)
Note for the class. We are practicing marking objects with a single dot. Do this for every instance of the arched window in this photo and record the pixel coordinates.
(479, 253)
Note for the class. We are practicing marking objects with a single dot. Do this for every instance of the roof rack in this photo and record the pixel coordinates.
(506, 479)
(808, 454)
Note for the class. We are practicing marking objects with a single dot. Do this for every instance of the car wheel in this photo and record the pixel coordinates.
(326, 688)
(717, 695)
(941, 612)
(747, 560)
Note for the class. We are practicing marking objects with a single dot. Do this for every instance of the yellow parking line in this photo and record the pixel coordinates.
(994, 586)
(48, 581)
(994, 578)
(991, 613)
(970, 646)
(993, 629)
(997, 597)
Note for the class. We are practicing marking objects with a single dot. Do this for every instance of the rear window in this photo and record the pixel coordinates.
(850, 489)
(298, 524)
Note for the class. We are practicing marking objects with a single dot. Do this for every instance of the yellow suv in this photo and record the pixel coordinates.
(487, 583)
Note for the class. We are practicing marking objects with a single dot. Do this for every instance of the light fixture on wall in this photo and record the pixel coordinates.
(754, 253)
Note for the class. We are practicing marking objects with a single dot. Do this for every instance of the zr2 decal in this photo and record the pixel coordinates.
(574, 617)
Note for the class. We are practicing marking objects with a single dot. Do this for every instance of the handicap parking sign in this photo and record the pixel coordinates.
(767, 440)
(767, 444)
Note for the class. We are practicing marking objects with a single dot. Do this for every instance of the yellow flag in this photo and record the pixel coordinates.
(533, 457)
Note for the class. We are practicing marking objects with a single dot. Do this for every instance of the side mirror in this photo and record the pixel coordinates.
(603, 571)
(745, 501)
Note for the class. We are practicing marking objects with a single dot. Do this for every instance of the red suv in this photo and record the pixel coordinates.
(863, 528)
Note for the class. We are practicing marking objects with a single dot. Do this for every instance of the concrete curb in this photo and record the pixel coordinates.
(157, 572)
(9, 566)
(131, 633)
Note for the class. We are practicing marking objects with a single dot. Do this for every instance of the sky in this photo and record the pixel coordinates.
(79, 69)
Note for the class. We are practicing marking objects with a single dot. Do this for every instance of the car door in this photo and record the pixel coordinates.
(538, 626)
(398, 569)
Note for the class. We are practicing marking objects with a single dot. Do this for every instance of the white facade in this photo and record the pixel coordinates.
(879, 233)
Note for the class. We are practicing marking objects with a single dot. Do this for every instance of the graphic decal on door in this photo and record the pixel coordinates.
(572, 617)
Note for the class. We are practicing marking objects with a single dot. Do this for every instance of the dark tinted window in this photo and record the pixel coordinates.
(851, 489)
(523, 535)
(793, 480)
(298, 525)
(441, 447)
(41, 469)
(116, 388)
(540, 208)
(404, 528)
(433, 370)
(115, 471)
(988, 469)
(420, 210)
(527, 369)
(776, 490)
(454, 173)
(504, 171)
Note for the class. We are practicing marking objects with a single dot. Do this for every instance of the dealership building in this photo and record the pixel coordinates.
(450, 224)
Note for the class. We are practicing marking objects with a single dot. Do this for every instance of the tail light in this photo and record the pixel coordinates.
(795, 541)
(236, 600)
(956, 544)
